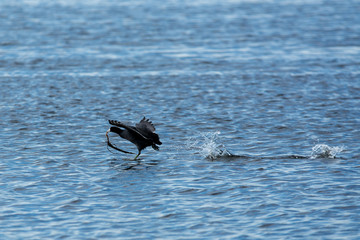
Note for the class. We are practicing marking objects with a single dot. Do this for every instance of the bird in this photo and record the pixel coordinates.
(142, 135)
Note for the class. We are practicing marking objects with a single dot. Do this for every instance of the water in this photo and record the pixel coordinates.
(256, 102)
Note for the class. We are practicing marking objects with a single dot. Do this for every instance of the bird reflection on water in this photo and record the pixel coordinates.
(142, 135)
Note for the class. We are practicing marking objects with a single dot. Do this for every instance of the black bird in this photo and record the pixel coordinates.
(142, 135)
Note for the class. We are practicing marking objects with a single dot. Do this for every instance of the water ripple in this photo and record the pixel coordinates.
(256, 103)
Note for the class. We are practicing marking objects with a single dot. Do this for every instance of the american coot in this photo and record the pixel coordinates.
(142, 135)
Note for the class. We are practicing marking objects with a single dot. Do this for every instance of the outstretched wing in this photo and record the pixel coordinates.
(129, 128)
(111, 145)
(145, 126)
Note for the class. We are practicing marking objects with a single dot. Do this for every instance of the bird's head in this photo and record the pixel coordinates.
(156, 139)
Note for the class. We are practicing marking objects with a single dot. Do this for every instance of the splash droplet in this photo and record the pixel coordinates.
(207, 145)
(325, 151)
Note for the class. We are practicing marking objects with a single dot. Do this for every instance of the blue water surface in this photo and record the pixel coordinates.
(257, 104)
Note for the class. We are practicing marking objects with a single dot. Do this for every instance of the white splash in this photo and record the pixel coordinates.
(207, 145)
(325, 151)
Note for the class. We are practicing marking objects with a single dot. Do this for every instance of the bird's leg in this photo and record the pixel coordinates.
(137, 155)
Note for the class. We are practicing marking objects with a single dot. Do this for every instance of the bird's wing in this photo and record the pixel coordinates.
(145, 126)
(129, 128)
